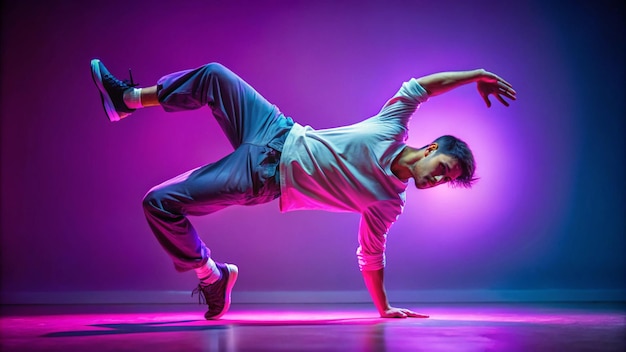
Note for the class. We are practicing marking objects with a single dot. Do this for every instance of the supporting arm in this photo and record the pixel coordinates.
(375, 286)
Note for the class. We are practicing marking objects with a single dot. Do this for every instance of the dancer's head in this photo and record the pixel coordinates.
(446, 160)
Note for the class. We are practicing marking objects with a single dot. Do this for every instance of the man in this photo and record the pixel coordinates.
(362, 168)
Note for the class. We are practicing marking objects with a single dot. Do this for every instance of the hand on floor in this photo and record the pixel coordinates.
(401, 313)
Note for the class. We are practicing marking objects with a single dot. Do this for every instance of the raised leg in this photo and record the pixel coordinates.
(242, 113)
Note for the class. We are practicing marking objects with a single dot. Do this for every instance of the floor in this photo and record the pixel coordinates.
(451, 327)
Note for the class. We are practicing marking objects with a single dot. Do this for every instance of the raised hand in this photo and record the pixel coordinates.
(492, 84)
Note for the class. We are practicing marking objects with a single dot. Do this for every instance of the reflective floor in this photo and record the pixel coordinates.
(452, 327)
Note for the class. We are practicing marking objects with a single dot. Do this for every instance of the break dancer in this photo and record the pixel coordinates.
(364, 168)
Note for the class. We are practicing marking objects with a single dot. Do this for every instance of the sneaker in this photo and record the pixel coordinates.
(217, 294)
(111, 91)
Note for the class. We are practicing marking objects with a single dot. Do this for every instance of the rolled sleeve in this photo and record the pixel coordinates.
(404, 103)
(413, 91)
(373, 228)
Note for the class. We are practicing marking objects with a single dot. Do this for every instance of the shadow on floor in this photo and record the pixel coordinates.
(202, 325)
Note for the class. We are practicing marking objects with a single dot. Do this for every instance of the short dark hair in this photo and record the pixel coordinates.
(456, 148)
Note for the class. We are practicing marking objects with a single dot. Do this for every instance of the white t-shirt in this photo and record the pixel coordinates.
(349, 169)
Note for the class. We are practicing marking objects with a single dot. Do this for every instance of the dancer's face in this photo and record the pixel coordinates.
(435, 169)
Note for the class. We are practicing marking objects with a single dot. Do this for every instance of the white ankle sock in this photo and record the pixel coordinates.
(208, 273)
(132, 98)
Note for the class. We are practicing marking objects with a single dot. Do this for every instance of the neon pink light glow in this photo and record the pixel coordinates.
(316, 328)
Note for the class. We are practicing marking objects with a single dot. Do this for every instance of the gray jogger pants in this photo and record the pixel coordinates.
(249, 175)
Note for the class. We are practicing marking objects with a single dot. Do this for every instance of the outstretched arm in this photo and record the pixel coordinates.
(487, 84)
(374, 282)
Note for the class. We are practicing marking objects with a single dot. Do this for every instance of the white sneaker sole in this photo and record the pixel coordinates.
(233, 272)
(107, 103)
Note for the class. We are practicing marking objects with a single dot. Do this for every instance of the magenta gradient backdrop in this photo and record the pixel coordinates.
(548, 212)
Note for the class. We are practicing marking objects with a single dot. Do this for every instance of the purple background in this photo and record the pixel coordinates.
(548, 212)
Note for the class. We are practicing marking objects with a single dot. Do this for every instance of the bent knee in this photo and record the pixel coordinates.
(157, 200)
(150, 199)
(217, 69)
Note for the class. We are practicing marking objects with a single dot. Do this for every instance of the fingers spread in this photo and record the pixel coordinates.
(486, 99)
(508, 92)
(504, 102)
(509, 95)
(505, 83)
